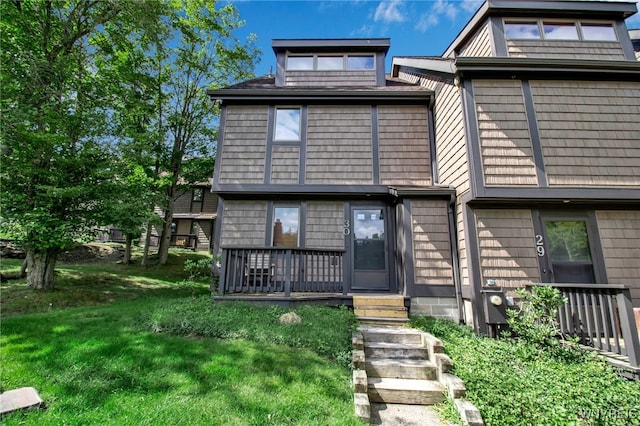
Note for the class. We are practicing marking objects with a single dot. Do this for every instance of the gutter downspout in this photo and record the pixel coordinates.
(454, 256)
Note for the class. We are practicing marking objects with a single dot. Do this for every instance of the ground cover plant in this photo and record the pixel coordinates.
(513, 382)
(122, 363)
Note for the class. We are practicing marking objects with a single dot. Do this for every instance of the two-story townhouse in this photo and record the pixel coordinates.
(326, 179)
(537, 125)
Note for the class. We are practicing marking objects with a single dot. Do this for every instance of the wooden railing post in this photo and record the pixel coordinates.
(222, 280)
(287, 273)
(627, 326)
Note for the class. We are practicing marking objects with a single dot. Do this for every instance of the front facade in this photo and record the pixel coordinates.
(510, 160)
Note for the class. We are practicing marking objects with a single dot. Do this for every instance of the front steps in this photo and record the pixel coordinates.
(380, 310)
(398, 365)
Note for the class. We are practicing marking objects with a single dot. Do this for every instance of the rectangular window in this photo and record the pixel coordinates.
(300, 63)
(360, 62)
(560, 31)
(569, 251)
(330, 62)
(522, 30)
(287, 124)
(598, 32)
(286, 222)
(197, 195)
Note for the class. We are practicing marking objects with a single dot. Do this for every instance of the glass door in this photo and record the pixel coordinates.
(370, 259)
(569, 252)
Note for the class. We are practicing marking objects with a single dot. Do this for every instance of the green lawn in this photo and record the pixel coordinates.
(122, 361)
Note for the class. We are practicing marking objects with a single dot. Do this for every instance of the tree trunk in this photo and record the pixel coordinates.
(40, 269)
(127, 249)
(165, 238)
(147, 243)
(23, 269)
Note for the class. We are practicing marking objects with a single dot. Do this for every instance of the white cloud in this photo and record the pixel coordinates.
(426, 21)
(363, 31)
(471, 5)
(439, 9)
(390, 11)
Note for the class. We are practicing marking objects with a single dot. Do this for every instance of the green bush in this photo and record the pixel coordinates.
(324, 330)
(513, 382)
(198, 270)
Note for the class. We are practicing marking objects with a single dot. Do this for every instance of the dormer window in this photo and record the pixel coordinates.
(349, 62)
(598, 32)
(522, 30)
(558, 30)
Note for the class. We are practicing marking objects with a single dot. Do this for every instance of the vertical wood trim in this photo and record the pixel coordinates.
(302, 224)
(593, 232)
(218, 159)
(543, 261)
(268, 236)
(347, 271)
(432, 144)
(220, 212)
(625, 40)
(410, 277)
(390, 220)
(455, 257)
(538, 157)
(380, 71)
(498, 42)
(302, 168)
(269, 148)
(474, 157)
(473, 265)
(280, 69)
(375, 145)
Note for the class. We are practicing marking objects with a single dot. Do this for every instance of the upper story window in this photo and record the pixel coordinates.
(197, 195)
(286, 221)
(287, 124)
(558, 30)
(331, 62)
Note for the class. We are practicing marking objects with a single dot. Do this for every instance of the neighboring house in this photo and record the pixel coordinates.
(512, 159)
(194, 217)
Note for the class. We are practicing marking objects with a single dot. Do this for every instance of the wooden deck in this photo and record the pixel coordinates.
(294, 299)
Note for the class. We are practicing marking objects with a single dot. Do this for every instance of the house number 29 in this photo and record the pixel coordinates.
(540, 245)
(346, 228)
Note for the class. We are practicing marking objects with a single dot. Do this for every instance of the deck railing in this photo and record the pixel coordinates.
(602, 317)
(269, 270)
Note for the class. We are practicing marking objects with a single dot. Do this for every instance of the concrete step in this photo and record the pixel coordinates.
(383, 321)
(400, 368)
(395, 350)
(405, 391)
(378, 301)
(391, 335)
(381, 311)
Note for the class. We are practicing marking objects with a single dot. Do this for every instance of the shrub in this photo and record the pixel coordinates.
(198, 270)
(513, 382)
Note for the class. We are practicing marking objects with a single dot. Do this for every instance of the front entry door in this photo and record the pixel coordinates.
(370, 259)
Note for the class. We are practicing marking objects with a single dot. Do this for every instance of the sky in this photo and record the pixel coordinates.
(415, 27)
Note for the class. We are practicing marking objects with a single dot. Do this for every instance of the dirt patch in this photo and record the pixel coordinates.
(92, 253)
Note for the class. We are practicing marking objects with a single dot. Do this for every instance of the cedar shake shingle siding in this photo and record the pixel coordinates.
(620, 240)
(325, 225)
(610, 50)
(431, 245)
(479, 44)
(507, 154)
(403, 135)
(330, 78)
(244, 223)
(244, 145)
(285, 164)
(506, 247)
(589, 132)
(339, 145)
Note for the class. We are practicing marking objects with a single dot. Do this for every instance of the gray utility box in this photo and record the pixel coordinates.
(494, 303)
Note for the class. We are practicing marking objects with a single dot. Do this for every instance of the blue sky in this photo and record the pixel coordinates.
(415, 27)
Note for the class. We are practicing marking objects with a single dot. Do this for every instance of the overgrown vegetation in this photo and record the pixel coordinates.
(513, 382)
(153, 360)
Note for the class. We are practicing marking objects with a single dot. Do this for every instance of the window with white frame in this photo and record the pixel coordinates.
(287, 124)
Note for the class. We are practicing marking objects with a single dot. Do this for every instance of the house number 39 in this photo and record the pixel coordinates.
(346, 228)
(540, 245)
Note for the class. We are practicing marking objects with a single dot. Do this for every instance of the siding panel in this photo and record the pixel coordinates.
(589, 132)
(285, 164)
(244, 223)
(506, 246)
(431, 245)
(403, 137)
(339, 145)
(330, 78)
(244, 145)
(620, 239)
(325, 225)
(505, 143)
(565, 49)
(479, 44)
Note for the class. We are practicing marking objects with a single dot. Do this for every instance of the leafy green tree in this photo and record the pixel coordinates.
(57, 163)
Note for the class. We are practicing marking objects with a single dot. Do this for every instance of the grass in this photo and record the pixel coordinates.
(119, 362)
(515, 383)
